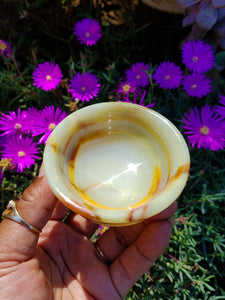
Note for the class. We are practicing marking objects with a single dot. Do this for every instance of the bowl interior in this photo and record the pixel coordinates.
(110, 159)
(115, 166)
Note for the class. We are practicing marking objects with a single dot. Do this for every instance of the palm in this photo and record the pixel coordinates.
(64, 266)
(71, 265)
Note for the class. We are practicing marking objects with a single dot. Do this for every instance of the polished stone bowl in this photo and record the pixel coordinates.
(116, 163)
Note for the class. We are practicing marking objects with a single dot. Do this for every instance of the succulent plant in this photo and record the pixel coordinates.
(207, 18)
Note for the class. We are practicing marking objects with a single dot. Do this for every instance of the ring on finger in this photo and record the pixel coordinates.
(11, 213)
(102, 256)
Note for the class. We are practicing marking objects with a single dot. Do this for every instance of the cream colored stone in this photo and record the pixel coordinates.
(116, 163)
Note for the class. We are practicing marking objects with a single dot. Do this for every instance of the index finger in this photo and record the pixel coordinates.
(35, 207)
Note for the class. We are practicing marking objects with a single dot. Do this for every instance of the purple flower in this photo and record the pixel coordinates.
(15, 123)
(221, 109)
(126, 88)
(206, 129)
(46, 121)
(168, 75)
(22, 151)
(1, 177)
(139, 102)
(1, 141)
(138, 74)
(5, 49)
(32, 113)
(47, 76)
(84, 86)
(88, 31)
(197, 56)
(128, 92)
(197, 85)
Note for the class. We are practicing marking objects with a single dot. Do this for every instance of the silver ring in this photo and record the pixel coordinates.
(102, 256)
(11, 213)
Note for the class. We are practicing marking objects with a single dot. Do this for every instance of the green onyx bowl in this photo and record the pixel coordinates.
(116, 163)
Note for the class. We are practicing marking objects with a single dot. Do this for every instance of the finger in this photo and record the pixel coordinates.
(116, 239)
(37, 203)
(163, 215)
(139, 257)
(60, 211)
(81, 225)
(35, 206)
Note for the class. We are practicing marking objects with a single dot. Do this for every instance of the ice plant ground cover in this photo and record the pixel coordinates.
(57, 58)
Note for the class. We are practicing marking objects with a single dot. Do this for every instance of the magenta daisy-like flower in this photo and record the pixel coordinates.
(32, 113)
(15, 123)
(197, 56)
(125, 88)
(206, 129)
(47, 76)
(84, 86)
(5, 49)
(88, 31)
(22, 151)
(47, 119)
(138, 74)
(141, 102)
(168, 75)
(221, 109)
(1, 141)
(197, 85)
(138, 101)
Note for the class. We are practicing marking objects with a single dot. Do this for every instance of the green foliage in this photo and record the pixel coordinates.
(193, 266)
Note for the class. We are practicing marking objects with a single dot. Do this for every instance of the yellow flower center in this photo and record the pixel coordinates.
(83, 89)
(126, 88)
(17, 126)
(193, 87)
(48, 77)
(51, 126)
(21, 153)
(167, 77)
(3, 46)
(138, 76)
(204, 130)
(87, 34)
(195, 59)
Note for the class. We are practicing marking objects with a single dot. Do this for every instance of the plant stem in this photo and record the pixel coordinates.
(18, 71)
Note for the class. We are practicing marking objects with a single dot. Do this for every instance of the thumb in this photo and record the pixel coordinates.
(35, 206)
